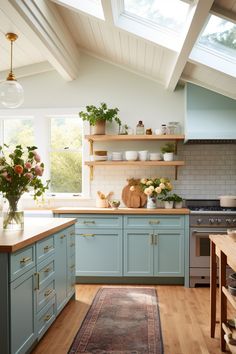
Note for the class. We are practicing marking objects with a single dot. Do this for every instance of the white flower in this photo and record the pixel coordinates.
(132, 188)
(143, 180)
(151, 188)
(148, 191)
(149, 183)
(162, 186)
(158, 190)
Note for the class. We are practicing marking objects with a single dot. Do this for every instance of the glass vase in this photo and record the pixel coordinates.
(12, 214)
(151, 202)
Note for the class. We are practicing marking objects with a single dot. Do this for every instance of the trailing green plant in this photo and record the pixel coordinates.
(168, 147)
(168, 198)
(177, 198)
(94, 114)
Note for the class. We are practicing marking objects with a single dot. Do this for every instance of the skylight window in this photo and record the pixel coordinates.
(92, 7)
(220, 35)
(171, 14)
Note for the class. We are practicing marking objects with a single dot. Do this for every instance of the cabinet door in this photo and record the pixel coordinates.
(61, 269)
(138, 253)
(71, 262)
(169, 253)
(23, 319)
(99, 252)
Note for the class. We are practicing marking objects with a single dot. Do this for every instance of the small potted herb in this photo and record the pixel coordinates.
(178, 201)
(98, 116)
(168, 201)
(168, 151)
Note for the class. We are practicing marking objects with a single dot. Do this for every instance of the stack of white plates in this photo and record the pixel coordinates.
(155, 156)
(100, 158)
(116, 156)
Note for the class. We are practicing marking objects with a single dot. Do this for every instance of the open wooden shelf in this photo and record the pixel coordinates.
(231, 298)
(230, 337)
(133, 137)
(134, 163)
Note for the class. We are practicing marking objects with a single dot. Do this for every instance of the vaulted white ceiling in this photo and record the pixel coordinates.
(52, 35)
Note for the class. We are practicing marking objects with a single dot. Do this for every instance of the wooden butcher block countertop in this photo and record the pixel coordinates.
(35, 229)
(120, 211)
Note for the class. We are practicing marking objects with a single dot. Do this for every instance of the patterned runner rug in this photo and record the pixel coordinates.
(121, 320)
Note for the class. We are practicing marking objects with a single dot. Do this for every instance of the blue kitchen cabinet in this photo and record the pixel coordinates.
(99, 252)
(156, 248)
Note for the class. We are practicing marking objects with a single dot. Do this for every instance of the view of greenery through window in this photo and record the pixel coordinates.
(18, 131)
(66, 155)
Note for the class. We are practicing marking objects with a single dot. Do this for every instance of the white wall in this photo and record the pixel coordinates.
(210, 170)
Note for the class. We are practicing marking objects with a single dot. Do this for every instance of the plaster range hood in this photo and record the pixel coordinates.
(210, 118)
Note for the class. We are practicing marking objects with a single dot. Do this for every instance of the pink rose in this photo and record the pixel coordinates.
(29, 175)
(8, 178)
(36, 156)
(4, 174)
(28, 165)
(38, 170)
(18, 169)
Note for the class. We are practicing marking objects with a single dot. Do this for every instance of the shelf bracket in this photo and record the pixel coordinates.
(90, 146)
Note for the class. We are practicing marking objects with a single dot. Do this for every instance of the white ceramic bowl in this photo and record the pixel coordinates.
(131, 155)
(155, 156)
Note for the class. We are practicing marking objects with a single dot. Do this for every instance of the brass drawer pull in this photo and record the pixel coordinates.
(151, 239)
(48, 269)
(46, 248)
(47, 317)
(72, 244)
(155, 239)
(48, 292)
(62, 236)
(36, 281)
(88, 235)
(89, 222)
(25, 259)
(154, 222)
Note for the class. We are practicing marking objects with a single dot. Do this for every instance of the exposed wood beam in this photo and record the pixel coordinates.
(197, 18)
(29, 70)
(48, 32)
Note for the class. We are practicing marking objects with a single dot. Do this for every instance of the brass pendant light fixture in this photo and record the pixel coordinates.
(11, 92)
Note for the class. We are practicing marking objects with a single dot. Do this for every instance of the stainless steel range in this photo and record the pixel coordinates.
(206, 217)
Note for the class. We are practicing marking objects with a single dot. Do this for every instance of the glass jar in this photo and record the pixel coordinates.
(174, 127)
(163, 129)
(140, 128)
(12, 214)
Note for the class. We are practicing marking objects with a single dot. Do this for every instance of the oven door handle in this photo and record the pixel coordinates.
(210, 232)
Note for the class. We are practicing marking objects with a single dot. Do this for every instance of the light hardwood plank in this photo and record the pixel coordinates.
(184, 313)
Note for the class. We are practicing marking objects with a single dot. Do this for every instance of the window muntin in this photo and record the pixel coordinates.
(170, 14)
(92, 7)
(66, 154)
(18, 131)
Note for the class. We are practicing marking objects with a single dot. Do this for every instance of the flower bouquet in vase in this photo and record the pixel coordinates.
(20, 172)
(155, 188)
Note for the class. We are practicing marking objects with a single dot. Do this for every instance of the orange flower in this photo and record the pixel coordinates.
(18, 169)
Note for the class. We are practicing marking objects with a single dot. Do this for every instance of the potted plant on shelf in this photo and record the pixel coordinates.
(98, 116)
(168, 151)
(168, 201)
(178, 201)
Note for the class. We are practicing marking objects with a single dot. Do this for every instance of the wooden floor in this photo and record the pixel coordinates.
(184, 316)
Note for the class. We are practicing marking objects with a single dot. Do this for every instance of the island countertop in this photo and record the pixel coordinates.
(35, 229)
(120, 211)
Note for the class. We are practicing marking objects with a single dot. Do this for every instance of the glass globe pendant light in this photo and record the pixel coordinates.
(11, 92)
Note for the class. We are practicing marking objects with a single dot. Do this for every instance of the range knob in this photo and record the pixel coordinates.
(228, 221)
(199, 221)
(218, 221)
(211, 221)
(234, 221)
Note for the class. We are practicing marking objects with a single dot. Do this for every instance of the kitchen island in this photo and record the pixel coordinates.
(37, 276)
(131, 245)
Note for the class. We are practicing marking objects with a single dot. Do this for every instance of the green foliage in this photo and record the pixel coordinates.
(177, 198)
(168, 147)
(21, 170)
(95, 114)
(168, 198)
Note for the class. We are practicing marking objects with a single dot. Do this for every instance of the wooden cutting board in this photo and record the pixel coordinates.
(133, 199)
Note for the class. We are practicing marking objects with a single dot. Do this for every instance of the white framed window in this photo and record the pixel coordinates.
(58, 135)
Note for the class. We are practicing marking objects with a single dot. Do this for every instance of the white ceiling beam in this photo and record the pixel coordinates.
(48, 32)
(29, 70)
(197, 18)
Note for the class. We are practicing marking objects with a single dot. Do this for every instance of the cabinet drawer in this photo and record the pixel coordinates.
(46, 271)
(21, 261)
(45, 317)
(45, 248)
(45, 294)
(97, 221)
(158, 221)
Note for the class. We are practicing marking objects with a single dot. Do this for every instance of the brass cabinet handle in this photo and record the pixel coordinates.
(47, 317)
(151, 239)
(154, 222)
(62, 236)
(72, 233)
(48, 269)
(72, 244)
(25, 259)
(36, 276)
(89, 222)
(88, 235)
(48, 292)
(46, 248)
(155, 239)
